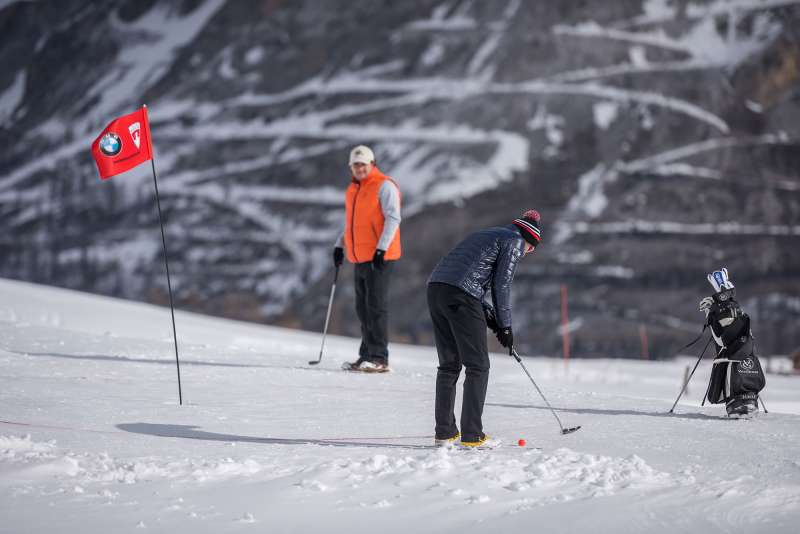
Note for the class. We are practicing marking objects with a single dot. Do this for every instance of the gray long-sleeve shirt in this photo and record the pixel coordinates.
(389, 197)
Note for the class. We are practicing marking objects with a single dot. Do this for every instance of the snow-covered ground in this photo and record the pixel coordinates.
(92, 438)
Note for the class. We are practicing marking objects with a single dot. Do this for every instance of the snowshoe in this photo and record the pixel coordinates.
(484, 442)
(366, 366)
(447, 442)
(742, 408)
(352, 366)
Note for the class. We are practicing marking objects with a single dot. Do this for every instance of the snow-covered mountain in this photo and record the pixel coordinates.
(658, 138)
(92, 439)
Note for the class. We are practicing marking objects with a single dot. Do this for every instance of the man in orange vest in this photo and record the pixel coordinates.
(371, 240)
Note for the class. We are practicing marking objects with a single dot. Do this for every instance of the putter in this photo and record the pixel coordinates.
(568, 430)
(327, 319)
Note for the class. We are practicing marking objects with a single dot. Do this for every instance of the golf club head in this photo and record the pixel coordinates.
(313, 362)
(570, 430)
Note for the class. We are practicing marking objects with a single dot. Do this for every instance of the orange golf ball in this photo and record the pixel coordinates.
(521, 442)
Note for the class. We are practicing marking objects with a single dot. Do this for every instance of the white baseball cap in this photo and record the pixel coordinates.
(361, 154)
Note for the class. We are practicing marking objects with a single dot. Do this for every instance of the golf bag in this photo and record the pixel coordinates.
(736, 375)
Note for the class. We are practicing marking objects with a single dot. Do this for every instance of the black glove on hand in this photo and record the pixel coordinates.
(377, 260)
(506, 337)
(491, 320)
(338, 256)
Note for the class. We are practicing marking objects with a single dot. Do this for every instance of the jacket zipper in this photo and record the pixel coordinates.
(353, 221)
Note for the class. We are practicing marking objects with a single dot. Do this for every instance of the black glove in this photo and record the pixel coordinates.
(491, 320)
(506, 337)
(377, 260)
(338, 256)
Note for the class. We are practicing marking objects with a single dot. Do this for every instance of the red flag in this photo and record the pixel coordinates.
(124, 144)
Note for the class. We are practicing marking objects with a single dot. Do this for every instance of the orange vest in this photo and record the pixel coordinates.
(364, 219)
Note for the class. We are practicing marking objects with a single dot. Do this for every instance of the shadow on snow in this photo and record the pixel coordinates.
(129, 359)
(601, 411)
(192, 432)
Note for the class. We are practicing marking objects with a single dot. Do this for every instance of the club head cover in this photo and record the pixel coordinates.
(719, 280)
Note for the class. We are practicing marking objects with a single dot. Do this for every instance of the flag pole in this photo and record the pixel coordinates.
(564, 326)
(166, 262)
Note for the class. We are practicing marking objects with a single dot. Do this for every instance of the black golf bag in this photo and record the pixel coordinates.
(736, 376)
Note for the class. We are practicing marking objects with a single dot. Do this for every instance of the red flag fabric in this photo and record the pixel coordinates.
(124, 144)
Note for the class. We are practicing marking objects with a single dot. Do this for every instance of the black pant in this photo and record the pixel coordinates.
(460, 330)
(372, 290)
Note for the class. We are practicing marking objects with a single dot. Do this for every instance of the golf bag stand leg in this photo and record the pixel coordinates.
(691, 375)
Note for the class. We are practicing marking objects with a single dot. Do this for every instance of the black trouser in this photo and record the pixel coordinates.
(372, 290)
(460, 330)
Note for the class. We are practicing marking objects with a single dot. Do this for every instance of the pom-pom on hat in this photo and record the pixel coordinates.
(528, 226)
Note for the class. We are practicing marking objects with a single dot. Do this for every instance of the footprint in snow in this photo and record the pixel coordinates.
(247, 518)
(314, 485)
(518, 486)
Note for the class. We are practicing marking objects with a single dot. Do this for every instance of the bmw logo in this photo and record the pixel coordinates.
(110, 144)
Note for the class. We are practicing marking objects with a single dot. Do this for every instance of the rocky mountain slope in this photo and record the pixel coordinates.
(658, 139)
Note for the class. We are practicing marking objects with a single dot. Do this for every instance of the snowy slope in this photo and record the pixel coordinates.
(92, 438)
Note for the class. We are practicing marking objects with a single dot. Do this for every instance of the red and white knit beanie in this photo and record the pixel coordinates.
(528, 225)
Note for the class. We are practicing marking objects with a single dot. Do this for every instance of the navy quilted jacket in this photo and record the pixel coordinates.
(485, 260)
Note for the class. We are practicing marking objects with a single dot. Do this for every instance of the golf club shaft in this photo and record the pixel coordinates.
(519, 360)
(328, 315)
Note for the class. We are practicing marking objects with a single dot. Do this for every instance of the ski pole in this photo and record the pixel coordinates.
(692, 373)
(763, 405)
(563, 430)
(327, 318)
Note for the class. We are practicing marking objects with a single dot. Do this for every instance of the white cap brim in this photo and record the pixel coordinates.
(360, 159)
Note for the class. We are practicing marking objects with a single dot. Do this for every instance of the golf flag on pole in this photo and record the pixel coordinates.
(124, 144)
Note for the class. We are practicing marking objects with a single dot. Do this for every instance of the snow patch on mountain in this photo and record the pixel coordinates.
(147, 49)
(11, 97)
(604, 114)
